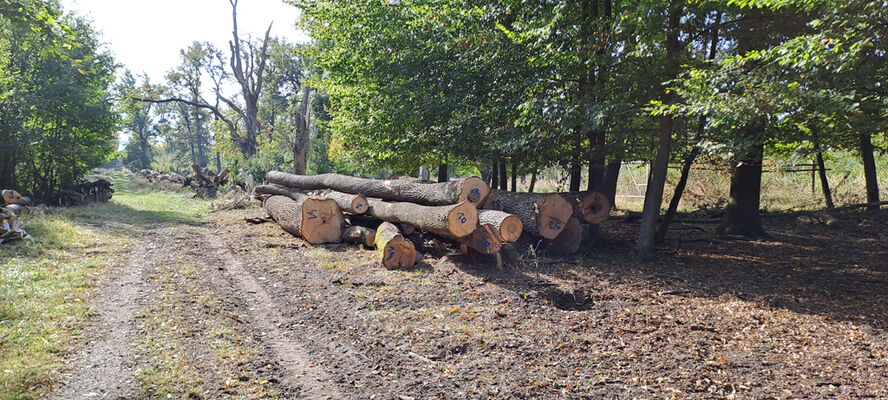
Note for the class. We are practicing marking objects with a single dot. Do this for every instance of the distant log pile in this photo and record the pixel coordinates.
(97, 191)
(13, 206)
(383, 214)
(205, 182)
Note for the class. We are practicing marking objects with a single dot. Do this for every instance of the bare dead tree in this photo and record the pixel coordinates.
(303, 134)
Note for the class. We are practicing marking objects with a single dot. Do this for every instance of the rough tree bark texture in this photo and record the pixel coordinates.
(392, 249)
(360, 235)
(453, 221)
(350, 203)
(541, 214)
(303, 134)
(315, 220)
(473, 189)
(742, 215)
(869, 171)
(506, 225)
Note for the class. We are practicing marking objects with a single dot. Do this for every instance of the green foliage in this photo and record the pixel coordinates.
(56, 118)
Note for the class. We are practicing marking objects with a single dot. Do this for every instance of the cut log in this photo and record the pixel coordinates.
(589, 207)
(11, 197)
(507, 226)
(315, 220)
(472, 189)
(453, 221)
(360, 235)
(541, 214)
(350, 203)
(484, 240)
(392, 249)
(570, 239)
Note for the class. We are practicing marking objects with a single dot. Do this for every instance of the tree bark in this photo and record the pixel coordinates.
(653, 197)
(494, 176)
(575, 175)
(869, 171)
(315, 220)
(742, 215)
(303, 135)
(452, 221)
(533, 181)
(611, 179)
(541, 214)
(472, 189)
(677, 194)
(514, 175)
(442, 173)
(350, 203)
(507, 226)
(503, 179)
(392, 249)
(824, 181)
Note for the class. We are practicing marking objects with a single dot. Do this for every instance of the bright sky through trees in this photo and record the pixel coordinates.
(147, 35)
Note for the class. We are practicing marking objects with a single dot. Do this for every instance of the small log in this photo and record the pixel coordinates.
(589, 207)
(506, 225)
(472, 189)
(570, 239)
(12, 197)
(484, 240)
(350, 203)
(392, 249)
(360, 235)
(453, 221)
(541, 214)
(315, 220)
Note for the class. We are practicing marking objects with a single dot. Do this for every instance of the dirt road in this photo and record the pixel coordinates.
(218, 308)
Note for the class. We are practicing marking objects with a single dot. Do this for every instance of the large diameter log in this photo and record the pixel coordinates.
(484, 240)
(570, 239)
(350, 203)
(589, 207)
(472, 189)
(453, 221)
(392, 249)
(360, 235)
(541, 214)
(506, 225)
(315, 220)
(12, 197)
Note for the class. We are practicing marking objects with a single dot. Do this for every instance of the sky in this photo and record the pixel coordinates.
(146, 36)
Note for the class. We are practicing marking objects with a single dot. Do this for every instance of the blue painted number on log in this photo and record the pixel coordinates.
(476, 192)
(391, 250)
(554, 225)
(461, 217)
(312, 213)
(358, 207)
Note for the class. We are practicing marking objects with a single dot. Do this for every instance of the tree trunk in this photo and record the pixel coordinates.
(452, 221)
(218, 161)
(359, 235)
(677, 194)
(315, 220)
(541, 215)
(303, 134)
(514, 175)
(392, 249)
(653, 197)
(503, 179)
(611, 179)
(597, 173)
(569, 240)
(824, 181)
(494, 176)
(350, 203)
(575, 175)
(507, 226)
(742, 215)
(869, 171)
(442, 173)
(589, 207)
(469, 189)
(533, 181)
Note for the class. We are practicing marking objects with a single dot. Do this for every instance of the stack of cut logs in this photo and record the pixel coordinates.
(14, 206)
(464, 211)
(96, 191)
(204, 181)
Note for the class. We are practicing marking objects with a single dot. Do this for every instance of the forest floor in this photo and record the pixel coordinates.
(202, 304)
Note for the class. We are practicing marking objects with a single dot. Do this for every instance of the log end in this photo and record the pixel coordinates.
(552, 215)
(510, 229)
(474, 190)
(359, 234)
(322, 221)
(492, 202)
(462, 219)
(596, 207)
(569, 240)
(485, 240)
(359, 205)
(398, 252)
(12, 197)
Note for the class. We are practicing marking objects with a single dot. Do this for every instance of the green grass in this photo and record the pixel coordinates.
(44, 286)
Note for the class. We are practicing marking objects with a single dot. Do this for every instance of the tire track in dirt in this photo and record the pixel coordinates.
(103, 368)
(265, 312)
